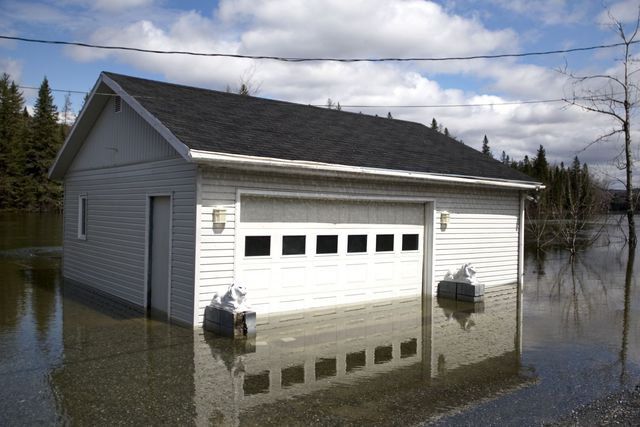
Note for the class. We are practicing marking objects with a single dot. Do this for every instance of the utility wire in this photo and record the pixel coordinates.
(318, 59)
(484, 104)
(488, 104)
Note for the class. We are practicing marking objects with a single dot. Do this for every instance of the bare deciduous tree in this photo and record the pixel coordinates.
(578, 216)
(247, 84)
(615, 95)
(540, 223)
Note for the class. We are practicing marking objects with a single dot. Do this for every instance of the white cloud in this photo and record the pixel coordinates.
(120, 5)
(110, 5)
(13, 67)
(623, 11)
(359, 28)
(368, 28)
(549, 12)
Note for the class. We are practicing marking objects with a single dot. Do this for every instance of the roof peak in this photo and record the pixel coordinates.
(253, 97)
(222, 123)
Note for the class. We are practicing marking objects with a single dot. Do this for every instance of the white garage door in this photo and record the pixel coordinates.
(308, 254)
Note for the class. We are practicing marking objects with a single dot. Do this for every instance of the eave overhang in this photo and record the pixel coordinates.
(329, 169)
(106, 87)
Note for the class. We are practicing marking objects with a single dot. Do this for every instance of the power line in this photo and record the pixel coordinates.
(82, 92)
(318, 59)
(484, 104)
(488, 104)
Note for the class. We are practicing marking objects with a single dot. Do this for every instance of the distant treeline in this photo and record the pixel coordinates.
(566, 211)
(619, 200)
(28, 146)
(565, 185)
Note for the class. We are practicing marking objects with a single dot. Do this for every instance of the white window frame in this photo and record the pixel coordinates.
(83, 216)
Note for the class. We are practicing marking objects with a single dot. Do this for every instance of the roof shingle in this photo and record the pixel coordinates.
(223, 122)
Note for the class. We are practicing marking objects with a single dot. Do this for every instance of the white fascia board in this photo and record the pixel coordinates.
(208, 157)
(180, 147)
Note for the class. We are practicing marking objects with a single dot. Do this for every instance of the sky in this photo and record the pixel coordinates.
(353, 28)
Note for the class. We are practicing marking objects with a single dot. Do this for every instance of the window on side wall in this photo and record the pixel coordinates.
(83, 205)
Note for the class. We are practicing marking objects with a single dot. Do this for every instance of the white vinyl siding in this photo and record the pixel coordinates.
(112, 259)
(122, 162)
(483, 227)
(121, 139)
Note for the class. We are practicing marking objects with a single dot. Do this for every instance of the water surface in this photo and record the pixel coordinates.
(70, 356)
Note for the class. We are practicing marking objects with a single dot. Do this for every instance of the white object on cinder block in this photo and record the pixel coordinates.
(234, 299)
(466, 274)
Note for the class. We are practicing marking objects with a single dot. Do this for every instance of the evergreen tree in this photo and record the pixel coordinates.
(540, 164)
(389, 116)
(526, 165)
(41, 148)
(243, 90)
(12, 136)
(485, 147)
(446, 132)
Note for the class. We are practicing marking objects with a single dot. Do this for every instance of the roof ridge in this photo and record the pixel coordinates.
(279, 101)
(223, 122)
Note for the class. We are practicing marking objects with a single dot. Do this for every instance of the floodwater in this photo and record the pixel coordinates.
(68, 356)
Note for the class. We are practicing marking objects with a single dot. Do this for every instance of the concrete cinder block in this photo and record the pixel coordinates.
(229, 324)
(447, 288)
(461, 291)
(211, 315)
(470, 290)
(469, 298)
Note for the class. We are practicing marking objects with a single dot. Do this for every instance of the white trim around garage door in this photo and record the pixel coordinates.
(429, 221)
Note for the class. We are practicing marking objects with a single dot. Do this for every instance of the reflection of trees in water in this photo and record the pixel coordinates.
(29, 288)
(12, 296)
(582, 285)
(579, 287)
(43, 297)
(541, 257)
(624, 345)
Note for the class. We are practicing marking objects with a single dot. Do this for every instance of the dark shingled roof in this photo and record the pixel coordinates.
(222, 122)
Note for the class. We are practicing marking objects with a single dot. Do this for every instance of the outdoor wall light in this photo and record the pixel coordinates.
(444, 219)
(219, 216)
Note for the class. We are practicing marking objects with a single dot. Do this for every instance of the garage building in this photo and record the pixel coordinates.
(172, 193)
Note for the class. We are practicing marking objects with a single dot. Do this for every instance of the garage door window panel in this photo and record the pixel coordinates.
(326, 244)
(410, 242)
(294, 245)
(257, 246)
(384, 243)
(357, 243)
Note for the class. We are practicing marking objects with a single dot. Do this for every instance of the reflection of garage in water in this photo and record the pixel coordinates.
(382, 365)
(356, 361)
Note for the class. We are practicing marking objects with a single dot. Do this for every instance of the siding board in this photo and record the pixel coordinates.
(483, 228)
(122, 162)
(108, 144)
